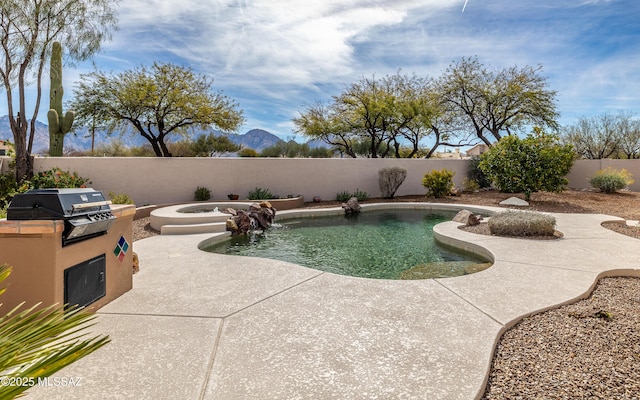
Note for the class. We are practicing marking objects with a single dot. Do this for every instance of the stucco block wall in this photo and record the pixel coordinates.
(584, 169)
(172, 180)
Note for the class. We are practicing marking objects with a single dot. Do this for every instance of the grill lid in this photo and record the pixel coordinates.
(56, 204)
(85, 211)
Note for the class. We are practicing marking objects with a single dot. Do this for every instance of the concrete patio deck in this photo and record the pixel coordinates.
(205, 326)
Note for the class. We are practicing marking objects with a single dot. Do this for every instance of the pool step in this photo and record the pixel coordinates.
(159, 221)
(208, 227)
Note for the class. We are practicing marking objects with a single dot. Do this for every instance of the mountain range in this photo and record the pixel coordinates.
(257, 139)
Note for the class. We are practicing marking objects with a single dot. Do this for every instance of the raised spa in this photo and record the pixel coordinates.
(384, 244)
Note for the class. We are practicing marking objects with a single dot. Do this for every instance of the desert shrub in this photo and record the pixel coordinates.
(470, 185)
(609, 180)
(7, 189)
(476, 174)
(260, 194)
(202, 194)
(438, 182)
(57, 178)
(247, 152)
(537, 162)
(361, 195)
(120, 198)
(390, 179)
(3, 211)
(342, 197)
(522, 223)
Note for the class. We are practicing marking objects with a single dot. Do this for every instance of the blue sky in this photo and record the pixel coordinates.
(276, 57)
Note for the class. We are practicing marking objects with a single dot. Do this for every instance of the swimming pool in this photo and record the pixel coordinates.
(389, 244)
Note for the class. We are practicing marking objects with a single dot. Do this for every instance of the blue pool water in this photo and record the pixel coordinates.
(391, 244)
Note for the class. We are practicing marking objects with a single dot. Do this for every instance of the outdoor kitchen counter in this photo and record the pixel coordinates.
(40, 262)
(53, 226)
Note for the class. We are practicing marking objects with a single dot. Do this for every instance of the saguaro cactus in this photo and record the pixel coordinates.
(59, 125)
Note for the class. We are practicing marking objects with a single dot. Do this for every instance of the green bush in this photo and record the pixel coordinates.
(361, 195)
(609, 180)
(247, 152)
(202, 194)
(120, 198)
(8, 188)
(57, 178)
(342, 197)
(476, 174)
(53, 178)
(390, 179)
(438, 182)
(537, 162)
(260, 194)
(470, 185)
(522, 223)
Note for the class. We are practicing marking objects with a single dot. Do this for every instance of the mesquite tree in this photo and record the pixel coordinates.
(494, 102)
(156, 102)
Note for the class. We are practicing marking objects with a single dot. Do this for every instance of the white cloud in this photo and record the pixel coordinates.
(281, 42)
(276, 56)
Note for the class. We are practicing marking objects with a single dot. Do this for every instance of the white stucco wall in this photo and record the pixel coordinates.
(167, 180)
(151, 180)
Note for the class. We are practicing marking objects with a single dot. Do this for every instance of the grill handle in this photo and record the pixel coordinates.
(80, 206)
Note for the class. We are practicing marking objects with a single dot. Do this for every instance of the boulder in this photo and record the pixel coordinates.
(232, 226)
(258, 217)
(514, 201)
(136, 263)
(351, 206)
(467, 217)
(474, 220)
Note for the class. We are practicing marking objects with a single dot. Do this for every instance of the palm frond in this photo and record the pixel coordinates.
(38, 342)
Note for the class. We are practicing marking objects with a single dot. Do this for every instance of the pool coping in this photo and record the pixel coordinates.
(260, 329)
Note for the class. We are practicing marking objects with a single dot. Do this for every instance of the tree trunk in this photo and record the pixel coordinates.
(24, 160)
(165, 150)
(155, 147)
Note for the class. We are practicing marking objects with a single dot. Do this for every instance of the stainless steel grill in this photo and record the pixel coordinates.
(85, 211)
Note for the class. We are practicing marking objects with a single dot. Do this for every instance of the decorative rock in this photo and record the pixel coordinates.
(230, 211)
(136, 263)
(351, 206)
(474, 220)
(462, 216)
(467, 217)
(232, 226)
(259, 216)
(514, 201)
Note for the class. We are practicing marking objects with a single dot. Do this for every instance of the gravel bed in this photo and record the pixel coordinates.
(142, 229)
(586, 350)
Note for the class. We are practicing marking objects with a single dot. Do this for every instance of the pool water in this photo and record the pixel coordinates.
(391, 244)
